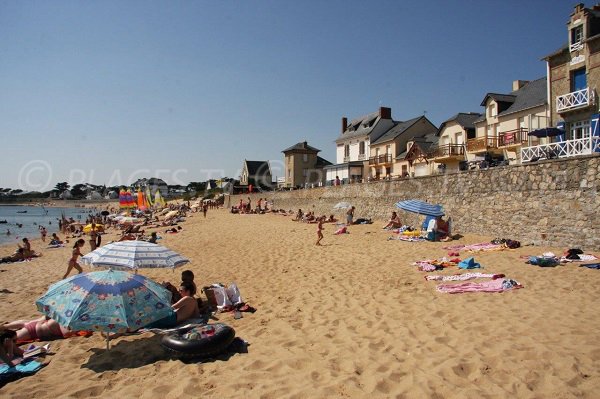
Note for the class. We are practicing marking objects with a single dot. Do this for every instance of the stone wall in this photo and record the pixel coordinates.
(552, 203)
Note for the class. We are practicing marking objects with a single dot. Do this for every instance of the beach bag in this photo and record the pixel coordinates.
(469, 263)
(223, 297)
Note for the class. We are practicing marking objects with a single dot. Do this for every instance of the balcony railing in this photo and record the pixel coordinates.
(576, 46)
(513, 137)
(379, 159)
(561, 149)
(576, 99)
(362, 157)
(448, 151)
(482, 143)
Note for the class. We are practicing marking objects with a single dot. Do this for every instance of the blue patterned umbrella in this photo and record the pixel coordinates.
(111, 301)
(133, 255)
(421, 207)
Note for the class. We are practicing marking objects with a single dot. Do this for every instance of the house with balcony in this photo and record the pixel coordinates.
(417, 161)
(303, 167)
(573, 77)
(453, 135)
(384, 151)
(353, 145)
(504, 128)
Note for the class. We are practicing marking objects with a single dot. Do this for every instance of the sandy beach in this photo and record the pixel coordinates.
(352, 318)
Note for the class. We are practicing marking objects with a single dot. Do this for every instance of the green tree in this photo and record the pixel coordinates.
(61, 187)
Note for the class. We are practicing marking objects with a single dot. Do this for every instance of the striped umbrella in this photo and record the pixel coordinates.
(421, 207)
(133, 255)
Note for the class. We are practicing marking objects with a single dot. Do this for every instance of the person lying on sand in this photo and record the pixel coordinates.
(43, 329)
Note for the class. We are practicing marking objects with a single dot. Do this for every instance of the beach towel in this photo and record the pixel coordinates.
(543, 261)
(8, 374)
(465, 276)
(592, 266)
(483, 246)
(407, 238)
(498, 285)
(580, 258)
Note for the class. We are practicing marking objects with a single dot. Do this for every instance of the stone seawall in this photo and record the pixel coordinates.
(552, 203)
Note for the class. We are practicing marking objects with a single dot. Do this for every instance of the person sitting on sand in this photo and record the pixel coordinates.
(153, 238)
(10, 353)
(394, 222)
(331, 219)
(187, 276)
(43, 329)
(55, 240)
(182, 310)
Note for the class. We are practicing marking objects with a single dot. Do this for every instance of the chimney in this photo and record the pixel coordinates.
(305, 144)
(385, 113)
(517, 84)
(344, 124)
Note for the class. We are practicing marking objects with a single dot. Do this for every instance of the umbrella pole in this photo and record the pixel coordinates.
(108, 341)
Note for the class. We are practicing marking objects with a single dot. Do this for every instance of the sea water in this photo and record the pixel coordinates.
(30, 218)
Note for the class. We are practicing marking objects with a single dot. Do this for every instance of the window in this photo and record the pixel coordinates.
(305, 157)
(361, 148)
(577, 34)
(305, 172)
(346, 150)
(388, 149)
(580, 130)
(289, 173)
(578, 80)
(492, 110)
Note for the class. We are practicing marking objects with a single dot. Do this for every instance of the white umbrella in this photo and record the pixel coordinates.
(134, 255)
(342, 205)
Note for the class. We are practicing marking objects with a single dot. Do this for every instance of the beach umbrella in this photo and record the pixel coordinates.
(421, 207)
(109, 301)
(547, 132)
(342, 205)
(98, 227)
(133, 255)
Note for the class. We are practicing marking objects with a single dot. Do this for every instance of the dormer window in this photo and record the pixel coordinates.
(576, 38)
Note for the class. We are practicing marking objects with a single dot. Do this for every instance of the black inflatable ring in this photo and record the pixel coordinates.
(199, 341)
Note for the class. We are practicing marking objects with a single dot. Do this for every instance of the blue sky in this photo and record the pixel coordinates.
(107, 92)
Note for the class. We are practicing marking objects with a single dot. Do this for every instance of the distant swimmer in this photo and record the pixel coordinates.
(7, 232)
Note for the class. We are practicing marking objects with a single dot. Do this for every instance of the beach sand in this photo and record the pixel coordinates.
(350, 319)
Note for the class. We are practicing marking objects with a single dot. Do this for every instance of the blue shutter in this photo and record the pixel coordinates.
(594, 125)
(561, 126)
(579, 81)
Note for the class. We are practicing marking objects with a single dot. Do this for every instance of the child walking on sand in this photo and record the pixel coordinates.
(320, 230)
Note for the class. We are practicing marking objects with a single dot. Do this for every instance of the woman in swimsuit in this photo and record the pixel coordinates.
(43, 329)
(10, 353)
(76, 254)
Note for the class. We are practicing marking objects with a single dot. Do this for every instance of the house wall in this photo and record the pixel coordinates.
(451, 132)
(552, 203)
(295, 164)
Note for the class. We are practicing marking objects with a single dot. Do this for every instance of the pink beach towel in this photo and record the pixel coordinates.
(498, 285)
(465, 276)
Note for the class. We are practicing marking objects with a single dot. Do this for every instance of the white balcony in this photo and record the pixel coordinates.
(576, 46)
(561, 149)
(576, 99)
